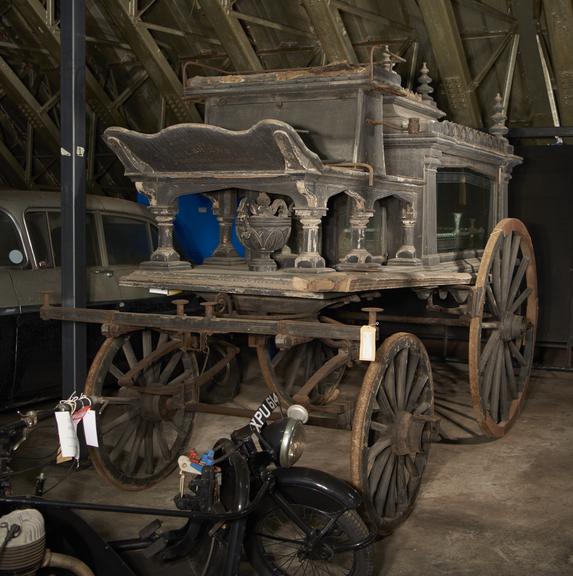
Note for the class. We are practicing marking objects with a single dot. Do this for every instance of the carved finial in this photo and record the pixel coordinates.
(387, 63)
(498, 128)
(424, 89)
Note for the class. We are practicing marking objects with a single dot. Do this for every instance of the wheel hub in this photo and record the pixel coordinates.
(155, 408)
(407, 434)
(512, 327)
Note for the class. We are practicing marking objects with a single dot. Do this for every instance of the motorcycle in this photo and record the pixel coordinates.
(245, 494)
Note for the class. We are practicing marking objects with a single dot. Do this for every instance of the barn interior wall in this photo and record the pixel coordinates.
(540, 195)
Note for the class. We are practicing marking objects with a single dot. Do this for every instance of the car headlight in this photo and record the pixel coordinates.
(286, 438)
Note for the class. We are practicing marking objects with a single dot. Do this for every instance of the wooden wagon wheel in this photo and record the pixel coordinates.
(143, 430)
(392, 430)
(502, 329)
(295, 366)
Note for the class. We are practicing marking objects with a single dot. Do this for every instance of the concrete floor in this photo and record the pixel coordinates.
(501, 508)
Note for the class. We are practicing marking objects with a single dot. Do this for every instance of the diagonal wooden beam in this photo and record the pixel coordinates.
(330, 30)
(12, 170)
(33, 14)
(444, 35)
(372, 16)
(531, 64)
(38, 117)
(559, 18)
(231, 34)
(133, 31)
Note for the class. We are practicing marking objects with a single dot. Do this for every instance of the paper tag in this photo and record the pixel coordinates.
(70, 447)
(90, 428)
(367, 343)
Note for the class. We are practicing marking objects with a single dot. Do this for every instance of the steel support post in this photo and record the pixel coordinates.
(73, 128)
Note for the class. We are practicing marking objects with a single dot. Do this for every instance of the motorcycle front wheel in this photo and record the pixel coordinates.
(278, 545)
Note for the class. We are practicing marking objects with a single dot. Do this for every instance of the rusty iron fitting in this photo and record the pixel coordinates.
(372, 315)
(209, 308)
(180, 304)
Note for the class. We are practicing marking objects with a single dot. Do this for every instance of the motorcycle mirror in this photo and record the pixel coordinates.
(298, 412)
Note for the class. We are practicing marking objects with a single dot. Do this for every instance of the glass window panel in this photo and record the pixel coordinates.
(92, 251)
(126, 239)
(9, 240)
(375, 238)
(37, 224)
(463, 209)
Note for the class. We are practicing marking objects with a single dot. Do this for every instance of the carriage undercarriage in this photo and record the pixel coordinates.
(155, 371)
(378, 201)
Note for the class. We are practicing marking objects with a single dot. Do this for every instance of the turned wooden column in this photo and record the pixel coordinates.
(165, 256)
(309, 256)
(406, 254)
(358, 257)
(225, 209)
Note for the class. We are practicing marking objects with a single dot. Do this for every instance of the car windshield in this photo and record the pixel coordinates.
(11, 251)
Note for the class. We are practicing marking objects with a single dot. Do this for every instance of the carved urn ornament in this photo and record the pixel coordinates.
(263, 227)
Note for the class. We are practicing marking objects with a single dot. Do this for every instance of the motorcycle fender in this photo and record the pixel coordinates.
(323, 490)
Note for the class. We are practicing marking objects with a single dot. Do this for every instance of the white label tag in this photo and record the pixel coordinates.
(367, 343)
(69, 444)
(90, 428)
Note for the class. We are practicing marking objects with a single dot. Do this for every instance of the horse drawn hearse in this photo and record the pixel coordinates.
(348, 193)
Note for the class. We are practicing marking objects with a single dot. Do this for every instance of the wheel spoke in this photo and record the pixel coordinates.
(390, 509)
(293, 373)
(121, 443)
(376, 449)
(411, 467)
(504, 393)
(496, 273)
(417, 390)
(163, 337)
(492, 301)
(146, 343)
(107, 427)
(148, 449)
(379, 427)
(519, 300)
(401, 483)
(381, 494)
(401, 368)
(505, 270)
(115, 371)
(162, 443)
(516, 353)
(488, 349)
(516, 282)
(496, 385)
(129, 354)
(133, 458)
(413, 362)
(169, 367)
(487, 382)
(510, 373)
(377, 469)
(384, 403)
(390, 385)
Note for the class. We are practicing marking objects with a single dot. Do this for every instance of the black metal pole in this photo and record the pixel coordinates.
(73, 122)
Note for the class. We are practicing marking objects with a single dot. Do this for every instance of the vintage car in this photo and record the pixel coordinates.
(119, 235)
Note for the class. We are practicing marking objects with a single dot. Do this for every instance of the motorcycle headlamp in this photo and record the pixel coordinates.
(286, 438)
